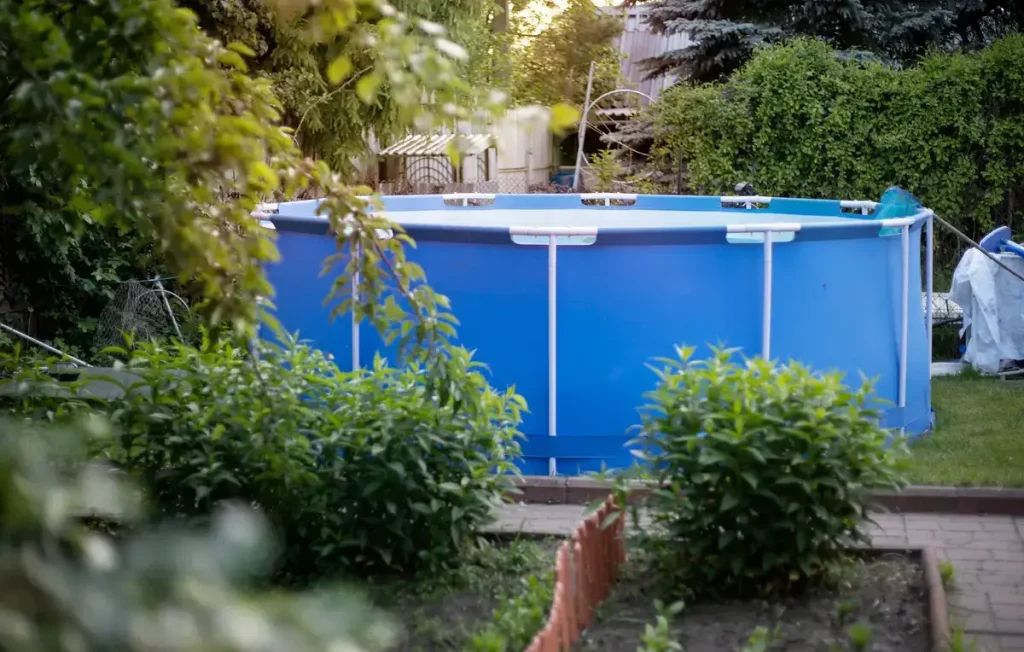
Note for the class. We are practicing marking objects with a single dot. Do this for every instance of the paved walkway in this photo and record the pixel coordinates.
(987, 597)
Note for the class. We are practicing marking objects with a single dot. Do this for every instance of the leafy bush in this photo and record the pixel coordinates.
(607, 169)
(763, 471)
(383, 467)
(66, 587)
(799, 121)
(126, 131)
(421, 462)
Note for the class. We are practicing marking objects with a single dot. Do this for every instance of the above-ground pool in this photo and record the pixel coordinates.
(568, 296)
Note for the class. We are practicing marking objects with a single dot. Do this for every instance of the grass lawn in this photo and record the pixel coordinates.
(979, 435)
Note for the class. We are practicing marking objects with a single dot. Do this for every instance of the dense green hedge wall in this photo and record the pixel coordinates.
(799, 121)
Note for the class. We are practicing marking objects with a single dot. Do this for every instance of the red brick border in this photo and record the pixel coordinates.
(586, 567)
(588, 564)
(921, 499)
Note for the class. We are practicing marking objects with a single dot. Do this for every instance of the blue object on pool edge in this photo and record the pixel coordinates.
(663, 271)
(895, 203)
(993, 240)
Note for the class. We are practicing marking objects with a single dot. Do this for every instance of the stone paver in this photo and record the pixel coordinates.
(987, 553)
(557, 520)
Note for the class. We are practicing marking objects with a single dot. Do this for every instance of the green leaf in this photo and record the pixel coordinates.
(730, 501)
(454, 155)
(368, 86)
(339, 69)
(563, 117)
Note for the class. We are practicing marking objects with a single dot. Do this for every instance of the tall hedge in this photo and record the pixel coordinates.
(799, 121)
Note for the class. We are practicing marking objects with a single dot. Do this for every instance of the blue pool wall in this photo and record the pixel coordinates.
(632, 296)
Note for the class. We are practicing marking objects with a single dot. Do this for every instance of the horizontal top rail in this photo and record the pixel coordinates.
(740, 199)
(468, 195)
(552, 230)
(483, 202)
(858, 203)
(763, 228)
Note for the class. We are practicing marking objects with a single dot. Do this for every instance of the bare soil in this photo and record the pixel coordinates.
(886, 593)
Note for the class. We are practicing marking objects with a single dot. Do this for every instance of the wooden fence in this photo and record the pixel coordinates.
(586, 567)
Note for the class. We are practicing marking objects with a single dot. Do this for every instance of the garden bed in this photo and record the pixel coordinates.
(456, 610)
(881, 597)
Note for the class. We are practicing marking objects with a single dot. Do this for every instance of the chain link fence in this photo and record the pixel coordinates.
(501, 186)
(514, 185)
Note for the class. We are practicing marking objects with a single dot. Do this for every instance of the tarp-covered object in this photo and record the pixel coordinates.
(992, 301)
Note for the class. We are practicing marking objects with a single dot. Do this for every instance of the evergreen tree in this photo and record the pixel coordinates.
(725, 32)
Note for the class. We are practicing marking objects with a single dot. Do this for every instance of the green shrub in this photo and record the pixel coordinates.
(607, 170)
(382, 467)
(798, 121)
(421, 462)
(764, 471)
(67, 587)
(198, 426)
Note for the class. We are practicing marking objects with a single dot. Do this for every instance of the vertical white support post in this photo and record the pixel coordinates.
(904, 315)
(929, 263)
(766, 315)
(355, 322)
(552, 345)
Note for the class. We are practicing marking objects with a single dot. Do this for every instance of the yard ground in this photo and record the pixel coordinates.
(979, 436)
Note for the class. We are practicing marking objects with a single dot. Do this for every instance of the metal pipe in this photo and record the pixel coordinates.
(975, 245)
(582, 131)
(766, 315)
(865, 206)
(552, 230)
(898, 222)
(745, 199)
(929, 264)
(904, 315)
(762, 228)
(465, 197)
(355, 321)
(167, 305)
(43, 345)
(552, 346)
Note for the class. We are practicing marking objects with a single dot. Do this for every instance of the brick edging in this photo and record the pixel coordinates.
(938, 611)
(586, 567)
(921, 499)
(589, 563)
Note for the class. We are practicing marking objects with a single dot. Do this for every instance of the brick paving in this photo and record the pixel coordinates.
(987, 553)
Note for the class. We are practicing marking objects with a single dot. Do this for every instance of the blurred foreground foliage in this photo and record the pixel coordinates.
(71, 588)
